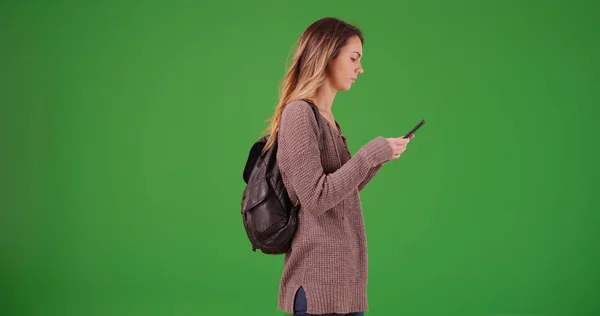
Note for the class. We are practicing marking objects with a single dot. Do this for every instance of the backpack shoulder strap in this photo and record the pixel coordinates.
(317, 117)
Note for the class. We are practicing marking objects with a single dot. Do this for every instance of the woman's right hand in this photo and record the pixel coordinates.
(399, 145)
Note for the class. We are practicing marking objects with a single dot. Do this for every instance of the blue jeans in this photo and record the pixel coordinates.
(300, 307)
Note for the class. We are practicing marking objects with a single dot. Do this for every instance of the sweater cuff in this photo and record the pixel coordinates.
(377, 151)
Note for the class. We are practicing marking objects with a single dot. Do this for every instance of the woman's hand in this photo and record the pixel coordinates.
(399, 145)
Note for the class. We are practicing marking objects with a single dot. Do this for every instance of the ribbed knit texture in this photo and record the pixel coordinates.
(328, 257)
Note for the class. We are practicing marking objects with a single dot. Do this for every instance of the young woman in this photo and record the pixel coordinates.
(325, 271)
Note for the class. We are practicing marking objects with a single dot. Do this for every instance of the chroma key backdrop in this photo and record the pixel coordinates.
(125, 127)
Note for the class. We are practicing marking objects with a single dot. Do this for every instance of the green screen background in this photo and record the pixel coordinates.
(125, 125)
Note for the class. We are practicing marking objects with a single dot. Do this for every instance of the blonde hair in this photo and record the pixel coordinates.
(320, 43)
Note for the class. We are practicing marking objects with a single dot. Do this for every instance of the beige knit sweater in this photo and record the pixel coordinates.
(328, 257)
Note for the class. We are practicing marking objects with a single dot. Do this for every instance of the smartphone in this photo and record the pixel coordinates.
(414, 129)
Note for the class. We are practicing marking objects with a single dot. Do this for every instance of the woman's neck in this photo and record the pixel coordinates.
(324, 97)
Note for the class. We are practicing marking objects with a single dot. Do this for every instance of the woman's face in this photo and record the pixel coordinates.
(345, 68)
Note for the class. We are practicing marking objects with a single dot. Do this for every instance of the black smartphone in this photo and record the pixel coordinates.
(414, 129)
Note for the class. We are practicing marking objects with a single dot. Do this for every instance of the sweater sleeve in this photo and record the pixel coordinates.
(299, 160)
(372, 172)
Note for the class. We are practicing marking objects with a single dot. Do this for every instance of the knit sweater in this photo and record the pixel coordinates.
(328, 256)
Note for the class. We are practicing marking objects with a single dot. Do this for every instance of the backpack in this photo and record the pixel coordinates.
(269, 216)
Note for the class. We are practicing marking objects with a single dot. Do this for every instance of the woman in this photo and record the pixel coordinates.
(325, 271)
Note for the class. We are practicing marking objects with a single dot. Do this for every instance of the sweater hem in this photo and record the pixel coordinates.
(325, 299)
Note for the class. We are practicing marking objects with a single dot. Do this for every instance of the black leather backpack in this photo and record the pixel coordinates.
(269, 217)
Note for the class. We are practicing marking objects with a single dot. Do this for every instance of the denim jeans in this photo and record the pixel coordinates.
(300, 307)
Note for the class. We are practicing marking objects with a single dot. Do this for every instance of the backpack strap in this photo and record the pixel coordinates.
(317, 116)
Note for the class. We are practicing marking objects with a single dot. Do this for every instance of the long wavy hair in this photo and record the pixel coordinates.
(319, 44)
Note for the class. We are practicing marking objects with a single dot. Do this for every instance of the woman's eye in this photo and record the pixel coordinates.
(353, 59)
